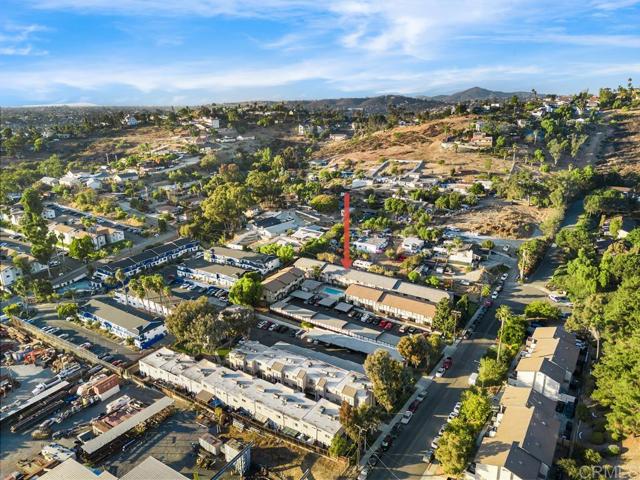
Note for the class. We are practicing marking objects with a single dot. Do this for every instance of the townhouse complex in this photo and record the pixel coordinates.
(269, 403)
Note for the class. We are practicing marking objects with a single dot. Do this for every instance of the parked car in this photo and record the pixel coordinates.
(406, 417)
(434, 443)
(457, 407)
(402, 329)
(452, 416)
(414, 406)
(428, 456)
(447, 363)
(272, 327)
(440, 372)
(494, 295)
(387, 442)
(504, 276)
(388, 326)
(421, 396)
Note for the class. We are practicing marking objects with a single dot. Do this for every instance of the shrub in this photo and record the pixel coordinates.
(613, 450)
(597, 438)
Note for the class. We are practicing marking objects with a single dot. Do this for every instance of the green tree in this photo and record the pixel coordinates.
(488, 244)
(614, 226)
(65, 310)
(617, 386)
(226, 204)
(324, 203)
(445, 319)
(81, 248)
(455, 448)
(390, 380)
(491, 372)
(247, 290)
(414, 349)
(541, 309)
(476, 408)
(414, 277)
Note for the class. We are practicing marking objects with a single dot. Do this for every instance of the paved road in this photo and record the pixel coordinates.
(404, 459)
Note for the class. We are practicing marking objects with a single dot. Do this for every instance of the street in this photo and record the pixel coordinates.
(404, 459)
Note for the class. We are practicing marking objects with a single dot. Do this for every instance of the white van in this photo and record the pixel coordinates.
(473, 378)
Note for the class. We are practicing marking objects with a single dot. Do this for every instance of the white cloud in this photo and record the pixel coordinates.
(15, 39)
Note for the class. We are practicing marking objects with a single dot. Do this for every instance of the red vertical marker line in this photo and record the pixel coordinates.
(346, 260)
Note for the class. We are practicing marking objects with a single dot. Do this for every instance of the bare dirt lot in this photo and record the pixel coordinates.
(421, 142)
(501, 218)
(287, 462)
(623, 150)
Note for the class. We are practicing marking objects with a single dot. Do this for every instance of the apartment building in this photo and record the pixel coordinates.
(302, 373)
(201, 270)
(154, 257)
(390, 304)
(547, 363)
(243, 259)
(521, 445)
(345, 277)
(271, 403)
(275, 287)
(125, 322)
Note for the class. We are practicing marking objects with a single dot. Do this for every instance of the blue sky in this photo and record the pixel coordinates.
(159, 52)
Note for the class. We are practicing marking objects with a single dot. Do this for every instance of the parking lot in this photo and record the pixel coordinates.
(78, 335)
(269, 335)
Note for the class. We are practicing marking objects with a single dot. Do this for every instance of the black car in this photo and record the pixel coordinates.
(568, 429)
(387, 442)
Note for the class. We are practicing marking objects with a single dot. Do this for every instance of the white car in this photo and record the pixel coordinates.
(435, 442)
(364, 473)
(504, 276)
(421, 396)
(406, 417)
(457, 407)
(452, 416)
(494, 295)
(440, 372)
(442, 429)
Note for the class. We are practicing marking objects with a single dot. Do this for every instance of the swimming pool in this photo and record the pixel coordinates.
(81, 285)
(332, 291)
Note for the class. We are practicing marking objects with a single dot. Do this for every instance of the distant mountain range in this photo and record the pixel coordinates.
(381, 103)
(477, 93)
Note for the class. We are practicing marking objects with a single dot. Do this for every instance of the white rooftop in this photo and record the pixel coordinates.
(336, 378)
(322, 414)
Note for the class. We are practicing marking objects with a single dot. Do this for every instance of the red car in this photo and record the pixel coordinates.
(488, 303)
(382, 324)
(414, 406)
(388, 326)
(447, 363)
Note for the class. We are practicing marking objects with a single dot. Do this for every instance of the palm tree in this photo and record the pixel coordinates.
(121, 277)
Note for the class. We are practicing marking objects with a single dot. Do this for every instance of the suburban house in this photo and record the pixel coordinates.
(50, 181)
(248, 260)
(390, 304)
(130, 121)
(412, 245)
(201, 270)
(124, 322)
(547, 363)
(9, 273)
(522, 442)
(100, 236)
(278, 285)
(303, 372)
(93, 183)
(270, 403)
(124, 177)
(273, 224)
(373, 244)
(310, 232)
(153, 257)
(15, 214)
